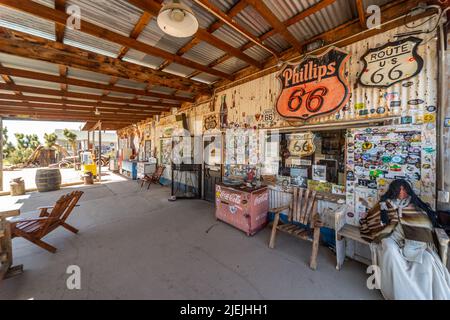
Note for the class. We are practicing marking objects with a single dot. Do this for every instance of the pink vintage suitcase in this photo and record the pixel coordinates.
(244, 209)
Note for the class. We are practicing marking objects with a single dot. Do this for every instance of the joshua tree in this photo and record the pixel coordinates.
(8, 147)
(29, 141)
(50, 139)
(72, 139)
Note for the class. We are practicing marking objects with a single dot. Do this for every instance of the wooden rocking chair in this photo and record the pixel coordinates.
(304, 222)
(154, 178)
(35, 229)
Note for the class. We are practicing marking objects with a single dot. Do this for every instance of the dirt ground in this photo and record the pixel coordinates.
(68, 176)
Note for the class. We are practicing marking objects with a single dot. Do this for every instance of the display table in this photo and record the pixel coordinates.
(244, 208)
(129, 169)
(6, 256)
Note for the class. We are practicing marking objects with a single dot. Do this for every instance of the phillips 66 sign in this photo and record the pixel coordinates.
(314, 87)
(392, 63)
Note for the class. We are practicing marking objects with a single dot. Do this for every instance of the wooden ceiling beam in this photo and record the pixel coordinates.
(82, 103)
(88, 84)
(85, 96)
(53, 15)
(72, 111)
(60, 5)
(24, 45)
(361, 13)
(293, 20)
(202, 34)
(278, 25)
(144, 20)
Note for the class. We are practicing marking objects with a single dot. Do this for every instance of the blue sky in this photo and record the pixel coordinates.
(37, 127)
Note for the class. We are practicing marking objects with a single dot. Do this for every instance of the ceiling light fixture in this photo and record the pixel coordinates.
(177, 19)
(97, 112)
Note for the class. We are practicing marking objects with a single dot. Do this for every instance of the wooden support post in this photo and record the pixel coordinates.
(99, 151)
(1, 154)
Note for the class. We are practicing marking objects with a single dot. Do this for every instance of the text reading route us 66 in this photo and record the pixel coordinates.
(235, 310)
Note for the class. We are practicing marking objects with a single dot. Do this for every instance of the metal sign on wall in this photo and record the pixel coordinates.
(391, 63)
(301, 144)
(314, 87)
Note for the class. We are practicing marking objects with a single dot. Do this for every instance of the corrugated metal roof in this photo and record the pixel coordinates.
(17, 62)
(277, 42)
(87, 42)
(38, 95)
(205, 19)
(224, 5)
(257, 53)
(88, 75)
(154, 36)
(78, 89)
(326, 19)
(13, 19)
(179, 70)
(206, 78)
(36, 83)
(48, 3)
(131, 84)
(163, 90)
(252, 21)
(121, 95)
(231, 65)
(230, 36)
(116, 15)
(146, 60)
(285, 9)
(204, 53)
(6, 92)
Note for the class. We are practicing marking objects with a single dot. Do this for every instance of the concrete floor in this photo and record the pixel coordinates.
(135, 244)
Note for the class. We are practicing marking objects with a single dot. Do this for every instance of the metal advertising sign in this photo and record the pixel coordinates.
(392, 63)
(301, 144)
(314, 87)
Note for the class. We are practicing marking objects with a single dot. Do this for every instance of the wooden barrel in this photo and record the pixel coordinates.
(48, 180)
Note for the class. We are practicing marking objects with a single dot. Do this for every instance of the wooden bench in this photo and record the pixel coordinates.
(303, 221)
(346, 232)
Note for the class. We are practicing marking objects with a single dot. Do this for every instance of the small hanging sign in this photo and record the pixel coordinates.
(301, 144)
(314, 87)
(391, 63)
(210, 122)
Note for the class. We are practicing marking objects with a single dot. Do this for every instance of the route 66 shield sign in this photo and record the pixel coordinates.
(301, 144)
(392, 63)
(314, 87)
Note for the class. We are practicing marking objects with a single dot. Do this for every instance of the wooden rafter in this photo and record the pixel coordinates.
(278, 25)
(24, 45)
(86, 96)
(361, 13)
(88, 84)
(53, 15)
(144, 20)
(88, 111)
(291, 21)
(202, 34)
(238, 7)
(10, 97)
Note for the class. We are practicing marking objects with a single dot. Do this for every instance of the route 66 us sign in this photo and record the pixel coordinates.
(314, 87)
(392, 63)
